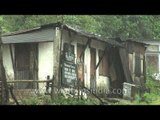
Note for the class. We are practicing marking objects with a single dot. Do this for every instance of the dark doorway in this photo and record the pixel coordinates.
(26, 67)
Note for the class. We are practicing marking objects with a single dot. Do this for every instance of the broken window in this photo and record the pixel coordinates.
(152, 63)
(152, 59)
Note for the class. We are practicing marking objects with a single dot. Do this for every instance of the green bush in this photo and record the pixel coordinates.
(153, 84)
(137, 98)
(150, 97)
(60, 100)
(30, 101)
(154, 95)
(37, 100)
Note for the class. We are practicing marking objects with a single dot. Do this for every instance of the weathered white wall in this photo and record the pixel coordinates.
(45, 63)
(45, 60)
(7, 62)
(103, 84)
(87, 60)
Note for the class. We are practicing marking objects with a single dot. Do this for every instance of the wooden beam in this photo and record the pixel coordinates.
(152, 52)
(11, 52)
(4, 89)
(57, 44)
(141, 61)
(144, 68)
(133, 75)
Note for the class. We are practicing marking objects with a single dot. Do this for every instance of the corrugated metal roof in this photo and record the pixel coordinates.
(45, 33)
(39, 35)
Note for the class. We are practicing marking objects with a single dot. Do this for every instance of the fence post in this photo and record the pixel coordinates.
(56, 60)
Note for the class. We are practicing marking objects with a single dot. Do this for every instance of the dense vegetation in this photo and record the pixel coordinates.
(124, 26)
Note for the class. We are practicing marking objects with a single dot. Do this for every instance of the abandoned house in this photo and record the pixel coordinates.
(67, 55)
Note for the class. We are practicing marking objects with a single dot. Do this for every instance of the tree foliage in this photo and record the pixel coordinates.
(124, 26)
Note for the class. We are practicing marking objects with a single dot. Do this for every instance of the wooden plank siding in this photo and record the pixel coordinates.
(80, 63)
(103, 66)
(92, 68)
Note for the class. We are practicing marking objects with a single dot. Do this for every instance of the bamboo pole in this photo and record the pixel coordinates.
(4, 89)
(26, 81)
